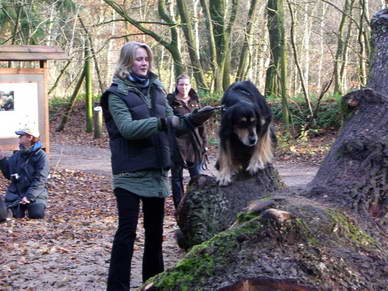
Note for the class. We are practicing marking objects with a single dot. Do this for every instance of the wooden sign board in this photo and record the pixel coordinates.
(23, 93)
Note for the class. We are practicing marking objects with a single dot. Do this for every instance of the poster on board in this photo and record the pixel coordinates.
(18, 107)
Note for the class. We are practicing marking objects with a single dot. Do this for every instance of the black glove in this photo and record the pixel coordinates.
(198, 117)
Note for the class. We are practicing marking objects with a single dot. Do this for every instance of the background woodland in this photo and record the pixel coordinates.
(299, 53)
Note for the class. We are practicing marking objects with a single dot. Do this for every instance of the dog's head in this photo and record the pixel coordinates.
(242, 120)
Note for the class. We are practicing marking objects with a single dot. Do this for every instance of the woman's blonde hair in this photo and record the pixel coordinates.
(127, 56)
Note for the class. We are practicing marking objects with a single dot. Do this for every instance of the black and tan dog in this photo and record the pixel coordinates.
(245, 134)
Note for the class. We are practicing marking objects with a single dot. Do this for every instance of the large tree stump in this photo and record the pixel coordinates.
(303, 246)
(354, 174)
(208, 209)
(331, 235)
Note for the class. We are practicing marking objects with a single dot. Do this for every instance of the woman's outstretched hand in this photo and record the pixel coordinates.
(198, 117)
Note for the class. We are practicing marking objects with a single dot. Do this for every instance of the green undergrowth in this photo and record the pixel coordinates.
(57, 103)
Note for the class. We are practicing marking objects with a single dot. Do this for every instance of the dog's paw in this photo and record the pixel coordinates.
(224, 180)
(254, 167)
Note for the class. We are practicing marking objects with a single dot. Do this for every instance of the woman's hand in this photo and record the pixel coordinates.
(2, 155)
(24, 201)
(198, 117)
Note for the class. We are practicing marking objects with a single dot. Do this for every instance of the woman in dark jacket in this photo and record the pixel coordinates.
(28, 171)
(191, 146)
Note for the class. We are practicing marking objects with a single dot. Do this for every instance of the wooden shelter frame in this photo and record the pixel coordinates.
(29, 53)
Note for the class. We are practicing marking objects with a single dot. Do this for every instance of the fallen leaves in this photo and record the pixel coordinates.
(70, 248)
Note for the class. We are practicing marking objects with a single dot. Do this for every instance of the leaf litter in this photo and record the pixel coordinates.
(70, 248)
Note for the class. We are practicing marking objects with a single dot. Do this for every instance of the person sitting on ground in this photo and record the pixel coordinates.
(190, 146)
(28, 171)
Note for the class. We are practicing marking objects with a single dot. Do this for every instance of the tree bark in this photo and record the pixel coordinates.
(276, 78)
(199, 213)
(358, 159)
(300, 73)
(88, 88)
(217, 16)
(342, 44)
(245, 57)
(70, 105)
(188, 31)
(354, 172)
(378, 74)
(59, 77)
(221, 34)
(363, 40)
(211, 38)
(93, 55)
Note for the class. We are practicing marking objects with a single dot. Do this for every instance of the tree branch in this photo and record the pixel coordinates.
(136, 23)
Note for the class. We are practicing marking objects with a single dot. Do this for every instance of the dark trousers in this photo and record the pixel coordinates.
(3, 211)
(120, 263)
(177, 180)
(34, 210)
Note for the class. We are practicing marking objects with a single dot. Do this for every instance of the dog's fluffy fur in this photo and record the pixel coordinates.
(245, 134)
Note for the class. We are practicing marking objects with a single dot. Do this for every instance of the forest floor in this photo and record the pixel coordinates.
(70, 248)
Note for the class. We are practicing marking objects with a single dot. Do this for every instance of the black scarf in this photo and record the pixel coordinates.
(142, 81)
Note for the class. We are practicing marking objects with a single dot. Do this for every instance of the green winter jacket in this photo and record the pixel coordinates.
(146, 183)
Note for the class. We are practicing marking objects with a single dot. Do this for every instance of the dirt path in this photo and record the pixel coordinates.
(97, 161)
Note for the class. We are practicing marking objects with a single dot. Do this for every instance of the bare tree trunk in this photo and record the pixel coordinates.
(16, 25)
(88, 88)
(188, 31)
(211, 41)
(306, 46)
(342, 42)
(378, 74)
(228, 31)
(217, 14)
(343, 71)
(300, 73)
(276, 73)
(363, 41)
(323, 10)
(71, 103)
(108, 75)
(171, 83)
(221, 31)
(93, 55)
(245, 56)
(59, 77)
(196, 29)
